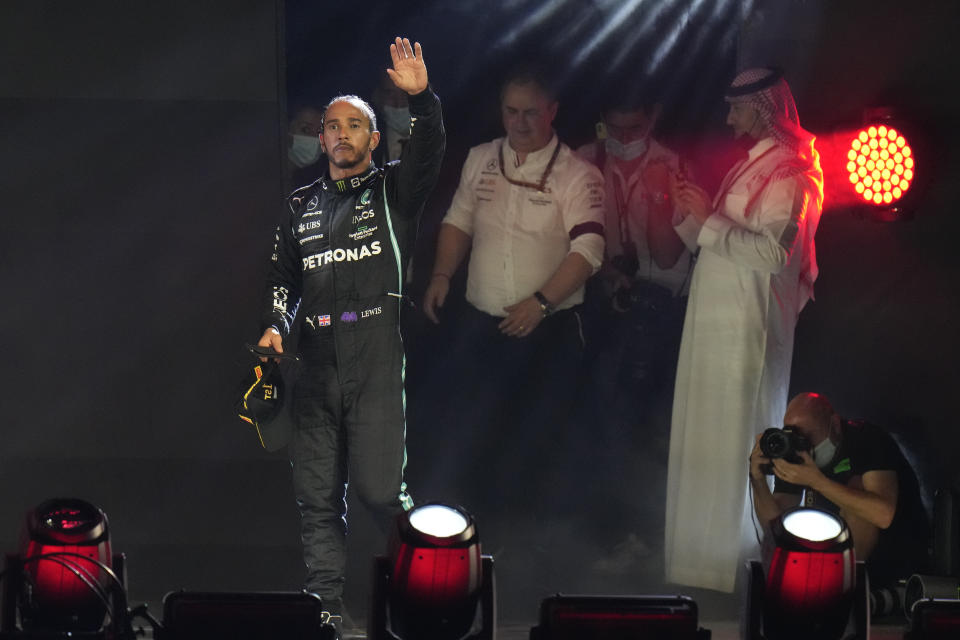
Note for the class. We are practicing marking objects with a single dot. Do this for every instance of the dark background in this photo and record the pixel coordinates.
(141, 150)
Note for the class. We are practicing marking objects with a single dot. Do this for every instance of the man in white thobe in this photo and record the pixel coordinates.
(754, 273)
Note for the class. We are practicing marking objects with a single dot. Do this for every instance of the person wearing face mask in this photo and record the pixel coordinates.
(303, 150)
(855, 469)
(634, 311)
(641, 243)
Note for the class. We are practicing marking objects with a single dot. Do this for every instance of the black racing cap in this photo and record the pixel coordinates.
(261, 394)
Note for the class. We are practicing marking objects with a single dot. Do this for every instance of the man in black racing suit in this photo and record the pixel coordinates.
(340, 257)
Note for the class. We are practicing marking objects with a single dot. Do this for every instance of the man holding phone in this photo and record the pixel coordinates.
(755, 271)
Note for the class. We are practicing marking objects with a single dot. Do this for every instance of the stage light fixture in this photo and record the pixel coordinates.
(934, 619)
(264, 615)
(434, 582)
(926, 587)
(814, 584)
(573, 617)
(65, 581)
(881, 166)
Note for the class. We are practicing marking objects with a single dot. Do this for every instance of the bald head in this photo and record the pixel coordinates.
(813, 415)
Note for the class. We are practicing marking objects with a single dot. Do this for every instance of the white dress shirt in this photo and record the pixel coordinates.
(520, 235)
(635, 200)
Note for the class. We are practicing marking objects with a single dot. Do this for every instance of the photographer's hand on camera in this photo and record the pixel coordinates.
(757, 463)
(766, 504)
(804, 474)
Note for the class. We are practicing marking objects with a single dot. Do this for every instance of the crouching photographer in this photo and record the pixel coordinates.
(851, 468)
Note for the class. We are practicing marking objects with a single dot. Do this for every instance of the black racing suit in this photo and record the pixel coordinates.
(340, 256)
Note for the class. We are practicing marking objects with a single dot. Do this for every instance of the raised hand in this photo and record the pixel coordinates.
(409, 73)
(656, 177)
(695, 200)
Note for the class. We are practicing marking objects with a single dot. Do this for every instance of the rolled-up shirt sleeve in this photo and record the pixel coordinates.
(583, 215)
(461, 211)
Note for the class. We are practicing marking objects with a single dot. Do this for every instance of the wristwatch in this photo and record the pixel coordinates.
(546, 307)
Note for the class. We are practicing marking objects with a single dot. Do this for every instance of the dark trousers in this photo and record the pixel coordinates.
(349, 426)
(631, 364)
(507, 414)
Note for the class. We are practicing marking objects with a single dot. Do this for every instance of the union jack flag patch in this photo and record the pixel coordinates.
(324, 321)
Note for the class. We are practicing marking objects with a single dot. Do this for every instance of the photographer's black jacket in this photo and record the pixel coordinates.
(340, 254)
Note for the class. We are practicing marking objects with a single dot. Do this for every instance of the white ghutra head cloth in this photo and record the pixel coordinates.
(765, 90)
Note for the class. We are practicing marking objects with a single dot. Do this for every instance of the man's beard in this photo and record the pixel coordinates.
(743, 141)
(357, 159)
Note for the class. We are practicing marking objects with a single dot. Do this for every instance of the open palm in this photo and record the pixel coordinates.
(409, 72)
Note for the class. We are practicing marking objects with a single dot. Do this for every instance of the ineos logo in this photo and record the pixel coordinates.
(363, 215)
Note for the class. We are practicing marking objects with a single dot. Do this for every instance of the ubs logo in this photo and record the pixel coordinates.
(308, 226)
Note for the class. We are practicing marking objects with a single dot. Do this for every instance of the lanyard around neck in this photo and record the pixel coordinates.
(530, 185)
(622, 196)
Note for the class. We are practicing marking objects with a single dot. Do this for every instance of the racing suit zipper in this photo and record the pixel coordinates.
(331, 220)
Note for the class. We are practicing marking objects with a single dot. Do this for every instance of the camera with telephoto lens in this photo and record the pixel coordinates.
(783, 443)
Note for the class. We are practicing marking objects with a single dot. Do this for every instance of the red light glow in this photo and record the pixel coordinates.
(878, 157)
(809, 593)
(439, 576)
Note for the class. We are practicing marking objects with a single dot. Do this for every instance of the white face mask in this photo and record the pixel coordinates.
(823, 453)
(304, 151)
(629, 151)
(397, 119)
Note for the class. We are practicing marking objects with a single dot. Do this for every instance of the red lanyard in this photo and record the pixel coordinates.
(623, 204)
(543, 179)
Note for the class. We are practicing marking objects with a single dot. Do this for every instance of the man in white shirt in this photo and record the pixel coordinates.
(532, 213)
(633, 316)
(641, 243)
(754, 273)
